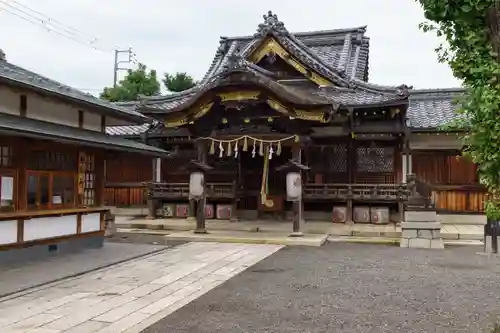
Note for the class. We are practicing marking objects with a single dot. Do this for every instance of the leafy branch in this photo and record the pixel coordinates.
(471, 30)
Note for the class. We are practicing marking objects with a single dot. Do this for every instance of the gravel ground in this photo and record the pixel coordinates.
(351, 288)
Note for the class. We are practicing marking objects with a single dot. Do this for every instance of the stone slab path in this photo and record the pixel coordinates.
(33, 274)
(131, 296)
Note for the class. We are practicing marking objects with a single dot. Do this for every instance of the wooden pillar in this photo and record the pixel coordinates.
(21, 162)
(201, 203)
(157, 169)
(407, 168)
(99, 178)
(234, 202)
(297, 206)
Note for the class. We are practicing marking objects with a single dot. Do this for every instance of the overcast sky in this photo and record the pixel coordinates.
(183, 35)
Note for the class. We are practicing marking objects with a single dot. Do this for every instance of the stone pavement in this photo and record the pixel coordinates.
(131, 296)
(32, 274)
(448, 231)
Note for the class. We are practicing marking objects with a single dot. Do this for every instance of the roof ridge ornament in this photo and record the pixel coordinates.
(271, 24)
(234, 61)
(403, 90)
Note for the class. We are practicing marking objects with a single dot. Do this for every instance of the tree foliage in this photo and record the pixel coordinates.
(178, 82)
(137, 82)
(471, 31)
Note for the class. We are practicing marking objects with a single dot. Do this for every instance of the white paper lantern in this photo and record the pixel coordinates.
(293, 186)
(196, 182)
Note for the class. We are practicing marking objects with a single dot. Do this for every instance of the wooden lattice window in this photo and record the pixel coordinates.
(375, 159)
(89, 181)
(336, 156)
(5, 156)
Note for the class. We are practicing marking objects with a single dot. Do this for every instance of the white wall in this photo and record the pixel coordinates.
(8, 232)
(49, 227)
(51, 110)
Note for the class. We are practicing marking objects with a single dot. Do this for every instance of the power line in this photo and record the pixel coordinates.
(54, 22)
(50, 25)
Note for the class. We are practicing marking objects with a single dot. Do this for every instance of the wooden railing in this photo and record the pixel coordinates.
(181, 190)
(368, 192)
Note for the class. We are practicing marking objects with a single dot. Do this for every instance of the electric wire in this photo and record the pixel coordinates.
(52, 25)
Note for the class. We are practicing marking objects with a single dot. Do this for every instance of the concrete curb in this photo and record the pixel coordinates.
(247, 239)
(25, 291)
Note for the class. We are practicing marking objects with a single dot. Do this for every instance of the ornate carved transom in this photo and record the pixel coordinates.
(376, 159)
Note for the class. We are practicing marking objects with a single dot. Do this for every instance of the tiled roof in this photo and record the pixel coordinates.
(128, 130)
(41, 129)
(358, 94)
(432, 108)
(427, 109)
(340, 55)
(345, 50)
(25, 77)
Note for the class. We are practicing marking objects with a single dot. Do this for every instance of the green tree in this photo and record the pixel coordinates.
(471, 31)
(178, 82)
(137, 82)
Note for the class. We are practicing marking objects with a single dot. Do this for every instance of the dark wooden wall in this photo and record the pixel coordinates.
(454, 180)
(124, 177)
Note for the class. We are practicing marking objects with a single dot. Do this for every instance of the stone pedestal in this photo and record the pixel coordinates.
(421, 229)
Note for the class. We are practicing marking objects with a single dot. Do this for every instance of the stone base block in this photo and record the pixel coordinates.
(404, 242)
(419, 243)
(420, 216)
(421, 225)
(424, 233)
(437, 243)
(409, 233)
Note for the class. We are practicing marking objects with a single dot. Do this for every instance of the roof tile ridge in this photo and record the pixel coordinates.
(402, 89)
(223, 49)
(169, 97)
(438, 90)
(360, 29)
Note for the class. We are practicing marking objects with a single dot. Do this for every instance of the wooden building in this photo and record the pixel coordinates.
(276, 95)
(53, 148)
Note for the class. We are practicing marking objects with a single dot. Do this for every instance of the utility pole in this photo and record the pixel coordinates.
(118, 62)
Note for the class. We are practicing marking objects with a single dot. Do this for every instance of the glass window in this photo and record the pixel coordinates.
(63, 190)
(32, 184)
(7, 191)
(46, 190)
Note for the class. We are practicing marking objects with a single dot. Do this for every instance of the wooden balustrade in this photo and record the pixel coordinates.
(361, 192)
(181, 190)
